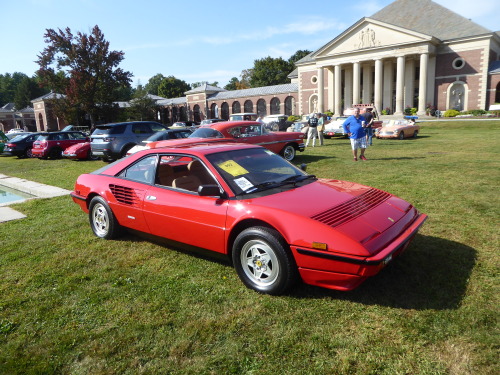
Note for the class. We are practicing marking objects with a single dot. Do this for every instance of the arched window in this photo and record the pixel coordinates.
(289, 105)
(175, 114)
(248, 106)
(275, 106)
(183, 116)
(236, 107)
(497, 94)
(196, 113)
(261, 107)
(214, 111)
(225, 111)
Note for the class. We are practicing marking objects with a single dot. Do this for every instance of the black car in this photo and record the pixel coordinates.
(21, 145)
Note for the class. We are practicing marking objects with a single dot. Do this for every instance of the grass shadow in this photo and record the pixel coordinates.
(432, 274)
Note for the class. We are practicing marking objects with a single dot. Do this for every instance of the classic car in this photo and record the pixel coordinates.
(335, 128)
(240, 202)
(247, 116)
(283, 143)
(171, 133)
(80, 151)
(399, 129)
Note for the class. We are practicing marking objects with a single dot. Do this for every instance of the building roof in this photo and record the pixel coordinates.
(494, 67)
(427, 17)
(27, 110)
(9, 107)
(204, 88)
(258, 91)
(172, 101)
(50, 95)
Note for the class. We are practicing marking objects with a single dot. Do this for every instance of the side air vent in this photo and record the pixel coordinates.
(352, 209)
(125, 195)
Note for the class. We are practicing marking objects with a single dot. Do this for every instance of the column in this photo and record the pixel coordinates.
(321, 89)
(422, 84)
(400, 75)
(348, 88)
(355, 83)
(409, 83)
(388, 85)
(338, 90)
(331, 91)
(367, 83)
(377, 94)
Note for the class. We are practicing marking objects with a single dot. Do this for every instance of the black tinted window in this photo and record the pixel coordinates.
(109, 129)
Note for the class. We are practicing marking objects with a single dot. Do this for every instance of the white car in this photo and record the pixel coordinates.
(335, 127)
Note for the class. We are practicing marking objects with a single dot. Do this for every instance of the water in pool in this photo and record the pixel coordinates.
(8, 196)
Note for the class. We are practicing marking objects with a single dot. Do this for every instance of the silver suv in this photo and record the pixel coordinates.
(112, 141)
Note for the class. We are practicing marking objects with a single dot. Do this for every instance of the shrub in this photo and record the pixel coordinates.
(451, 113)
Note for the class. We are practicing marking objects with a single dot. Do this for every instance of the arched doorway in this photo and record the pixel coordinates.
(224, 109)
(248, 106)
(214, 111)
(275, 106)
(289, 105)
(40, 121)
(236, 107)
(196, 113)
(261, 107)
(183, 116)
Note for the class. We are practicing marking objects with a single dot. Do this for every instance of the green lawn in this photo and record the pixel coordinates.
(71, 303)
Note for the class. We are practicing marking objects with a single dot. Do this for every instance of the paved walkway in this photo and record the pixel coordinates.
(36, 189)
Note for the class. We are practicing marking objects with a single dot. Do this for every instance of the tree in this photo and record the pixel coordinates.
(27, 90)
(270, 71)
(142, 106)
(300, 54)
(8, 84)
(154, 83)
(172, 87)
(198, 84)
(83, 68)
(233, 84)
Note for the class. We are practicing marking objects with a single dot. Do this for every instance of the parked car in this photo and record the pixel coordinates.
(79, 151)
(335, 128)
(112, 141)
(240, 201)
(3, 140)
(184, 124)
(178, 133)
(51, 145)
(399, 129)
(209, 121)
(246, 116)
(253, 132)
(277, 123)
(21, 145)
(83, 129)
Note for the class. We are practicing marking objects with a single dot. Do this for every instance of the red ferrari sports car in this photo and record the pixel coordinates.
(241, 201)
(80, 151)
(285, 144)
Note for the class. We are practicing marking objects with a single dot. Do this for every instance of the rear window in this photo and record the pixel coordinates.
(110, 129)
(206, 133)
(43, 137)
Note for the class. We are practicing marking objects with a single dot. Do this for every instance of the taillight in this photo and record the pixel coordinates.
(108, 139)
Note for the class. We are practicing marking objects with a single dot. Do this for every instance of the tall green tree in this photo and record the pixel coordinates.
(82, 67)
(172, 87)
(27, 90)
(154, 83)
(233, 84)
(300, 54)
(142, 107)
(198, 84)
(270, 71)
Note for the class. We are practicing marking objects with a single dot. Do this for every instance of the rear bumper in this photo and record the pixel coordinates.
(342, 272)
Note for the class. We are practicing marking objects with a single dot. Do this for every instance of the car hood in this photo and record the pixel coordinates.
(77, 147)
(366, 218)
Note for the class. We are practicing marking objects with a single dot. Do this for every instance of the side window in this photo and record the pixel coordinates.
(156, 127)
(183, 173)
(61, 137)
(142, 171)
(141, 129)
(76, 136)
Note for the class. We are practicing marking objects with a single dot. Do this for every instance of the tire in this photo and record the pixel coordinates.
(288, 152)
(102, 220)
(125, 150)
(401, 136)
(415, 134)
(263, 261)
(28, 153)
(90, 156)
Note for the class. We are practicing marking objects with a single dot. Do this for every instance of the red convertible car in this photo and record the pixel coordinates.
(240, 201)
(284, 143)
(80, 151)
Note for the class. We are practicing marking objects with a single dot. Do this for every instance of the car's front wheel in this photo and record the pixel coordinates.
(263, 262)
(102, 220)
(401, 136)
(288, 152)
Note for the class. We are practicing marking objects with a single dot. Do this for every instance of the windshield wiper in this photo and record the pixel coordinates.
(297, 178)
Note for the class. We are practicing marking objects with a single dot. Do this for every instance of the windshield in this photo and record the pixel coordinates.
(254, 170)
(206, 133)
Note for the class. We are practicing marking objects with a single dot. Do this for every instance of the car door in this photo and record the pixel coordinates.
(257, 135)
(182, 215)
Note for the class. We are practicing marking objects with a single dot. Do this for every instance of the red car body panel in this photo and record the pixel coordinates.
(362, 228)
(77, 151)
(274, 141)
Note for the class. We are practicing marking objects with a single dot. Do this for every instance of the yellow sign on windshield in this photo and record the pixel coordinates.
(233, 168)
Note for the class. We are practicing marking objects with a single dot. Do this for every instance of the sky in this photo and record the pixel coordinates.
(195, 40)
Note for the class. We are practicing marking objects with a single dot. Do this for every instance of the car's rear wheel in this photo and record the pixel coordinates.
(263, 262)
(401, 135)
(102, 220)
(91, 156)
(415, 134)
(288, 152)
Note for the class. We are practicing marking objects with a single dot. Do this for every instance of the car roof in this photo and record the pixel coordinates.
(230, 124)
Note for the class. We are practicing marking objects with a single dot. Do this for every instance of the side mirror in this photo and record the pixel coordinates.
(209, 191)
(303, 167)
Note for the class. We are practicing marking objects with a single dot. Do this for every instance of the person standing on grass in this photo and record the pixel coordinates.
(313, 129)
(368, 126)
(354, 127)
(320, 128)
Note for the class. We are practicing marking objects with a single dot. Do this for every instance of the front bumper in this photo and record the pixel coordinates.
(342, 272)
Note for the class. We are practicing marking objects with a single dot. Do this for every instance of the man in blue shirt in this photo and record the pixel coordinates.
(354, 127)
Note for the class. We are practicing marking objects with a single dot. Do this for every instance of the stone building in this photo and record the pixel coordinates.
(10, 118)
